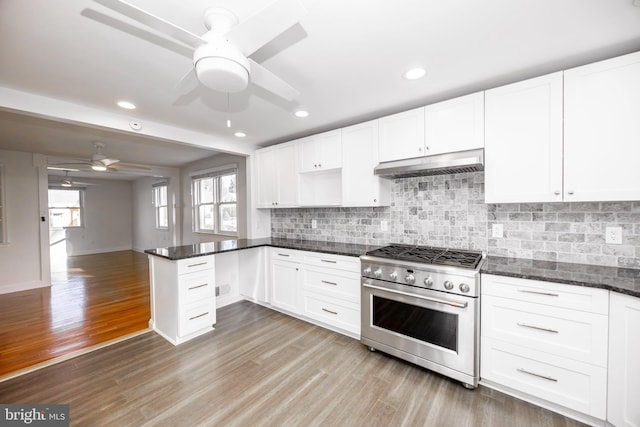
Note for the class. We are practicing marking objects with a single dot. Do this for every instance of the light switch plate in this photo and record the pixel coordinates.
(497, 230)
(613, 235)
(314, 223)
(384, 226)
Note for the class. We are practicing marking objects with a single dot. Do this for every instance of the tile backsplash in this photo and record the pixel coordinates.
(449, 211)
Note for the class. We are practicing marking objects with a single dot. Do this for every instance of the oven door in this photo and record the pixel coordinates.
(430, 328)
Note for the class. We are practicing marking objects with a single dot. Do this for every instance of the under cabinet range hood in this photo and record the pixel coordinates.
(438, 164)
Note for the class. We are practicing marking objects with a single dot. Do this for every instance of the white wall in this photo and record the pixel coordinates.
(108, 219)
(145, 233)
(20, 263)
(188, 236)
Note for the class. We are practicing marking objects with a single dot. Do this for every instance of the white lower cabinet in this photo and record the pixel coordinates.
(321, 288)
(624, 361)
(183, 297)
(546, 342)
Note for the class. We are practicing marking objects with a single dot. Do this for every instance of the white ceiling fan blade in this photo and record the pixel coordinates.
(267, 80)
(128, 167)
(259, 29)
(109, 162)
(154, 22)
(188, 82)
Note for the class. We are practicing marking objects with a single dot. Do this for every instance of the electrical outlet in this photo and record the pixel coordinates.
(613, 235)
(314, 223)
(497, 230)
(384, 226)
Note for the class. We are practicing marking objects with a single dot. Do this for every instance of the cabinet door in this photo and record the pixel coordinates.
(360, 187)
(455, 125)
(266, 179)
(624, 361)
(284, 285)
(402, 135)
(287, 176)
(523, 141)
(602, 130)
(321, 152)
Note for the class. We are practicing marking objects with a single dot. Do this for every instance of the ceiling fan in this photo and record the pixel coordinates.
(68, 182)
(99, 162)
(221, 56)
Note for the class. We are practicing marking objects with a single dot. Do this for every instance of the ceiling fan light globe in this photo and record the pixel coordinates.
(222, 74)
(99, 167)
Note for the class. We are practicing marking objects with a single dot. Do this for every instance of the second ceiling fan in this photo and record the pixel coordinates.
(221, 56)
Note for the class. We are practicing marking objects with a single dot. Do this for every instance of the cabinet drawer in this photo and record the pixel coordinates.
(334, 283)
(547, 293)
(195, 317)
(559, 331)
(191, 265)
(339, 313)
(286, 255)
(575, 385)
(339, 262)
(196, 286)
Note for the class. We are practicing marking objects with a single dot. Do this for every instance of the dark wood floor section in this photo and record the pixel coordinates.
(262, 368)
(95, 299)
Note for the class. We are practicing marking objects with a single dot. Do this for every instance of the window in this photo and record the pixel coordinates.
(3, 215)
(161, 206)
(215, 202)
(65, 208)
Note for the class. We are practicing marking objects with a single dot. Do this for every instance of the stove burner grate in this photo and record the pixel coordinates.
(429, 255)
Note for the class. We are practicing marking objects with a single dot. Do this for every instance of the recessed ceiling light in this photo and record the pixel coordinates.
(126, 105)
(414, 73)
(240, 134)
(302, 113)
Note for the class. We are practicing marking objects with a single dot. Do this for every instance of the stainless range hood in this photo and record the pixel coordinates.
(438, 164)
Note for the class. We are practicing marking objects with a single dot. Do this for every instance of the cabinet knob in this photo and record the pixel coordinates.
(426, 148)
(319, 165)
(375, 200)
(570, 192)
(557, 192)
(420, 149)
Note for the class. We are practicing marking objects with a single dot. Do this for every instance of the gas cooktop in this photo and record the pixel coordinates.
(429, 255)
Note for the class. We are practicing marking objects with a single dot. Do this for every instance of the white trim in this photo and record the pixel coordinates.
(24, 286)
(214, 170)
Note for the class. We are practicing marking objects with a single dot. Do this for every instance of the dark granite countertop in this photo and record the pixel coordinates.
(211, 248)
(623, 280)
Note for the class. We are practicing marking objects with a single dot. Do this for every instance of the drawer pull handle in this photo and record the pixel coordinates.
(549, 294)
(328, 260)
(199, 315)
(199, 286)
(329, 283)
(195, 265)
(524, 325)
(524, 371)
(279, 254)
(329, 311)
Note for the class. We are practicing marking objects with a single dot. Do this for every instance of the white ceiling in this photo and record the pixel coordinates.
(345, 57)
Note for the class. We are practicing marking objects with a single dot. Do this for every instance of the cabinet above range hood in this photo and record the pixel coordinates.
(438, 164)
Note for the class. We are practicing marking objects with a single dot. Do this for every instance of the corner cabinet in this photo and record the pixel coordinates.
(624, 361)
(360, 187)
(277, 177)
(602, 130)
(523, 141)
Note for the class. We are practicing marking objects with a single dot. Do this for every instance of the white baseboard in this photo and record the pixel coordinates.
(100, 250)
(25, 286)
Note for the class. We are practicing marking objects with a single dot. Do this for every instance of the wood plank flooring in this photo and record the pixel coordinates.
(262, 368)
(94, 299)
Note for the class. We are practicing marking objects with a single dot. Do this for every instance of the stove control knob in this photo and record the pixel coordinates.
(410, 279)
(448, 285)
(378, 273)
(428, 282)
(366, 271)
(393, 275)
(464, 288)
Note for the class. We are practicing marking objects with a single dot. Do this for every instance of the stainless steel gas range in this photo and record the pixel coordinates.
(421, 304)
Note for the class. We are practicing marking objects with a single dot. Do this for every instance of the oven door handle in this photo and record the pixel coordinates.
(438, 300)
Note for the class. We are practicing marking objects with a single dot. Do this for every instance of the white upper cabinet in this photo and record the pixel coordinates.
(455, 125)
(523, 141)
(402, 135)
(277, 177)
(360, 187)
(602, 130)
(321, 152)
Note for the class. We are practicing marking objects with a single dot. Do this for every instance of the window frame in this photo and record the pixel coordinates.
(216, 204)
(157, 206)
(80, 208)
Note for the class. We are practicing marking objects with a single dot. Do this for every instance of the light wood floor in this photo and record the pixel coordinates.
(262, 368)
(93, 299)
